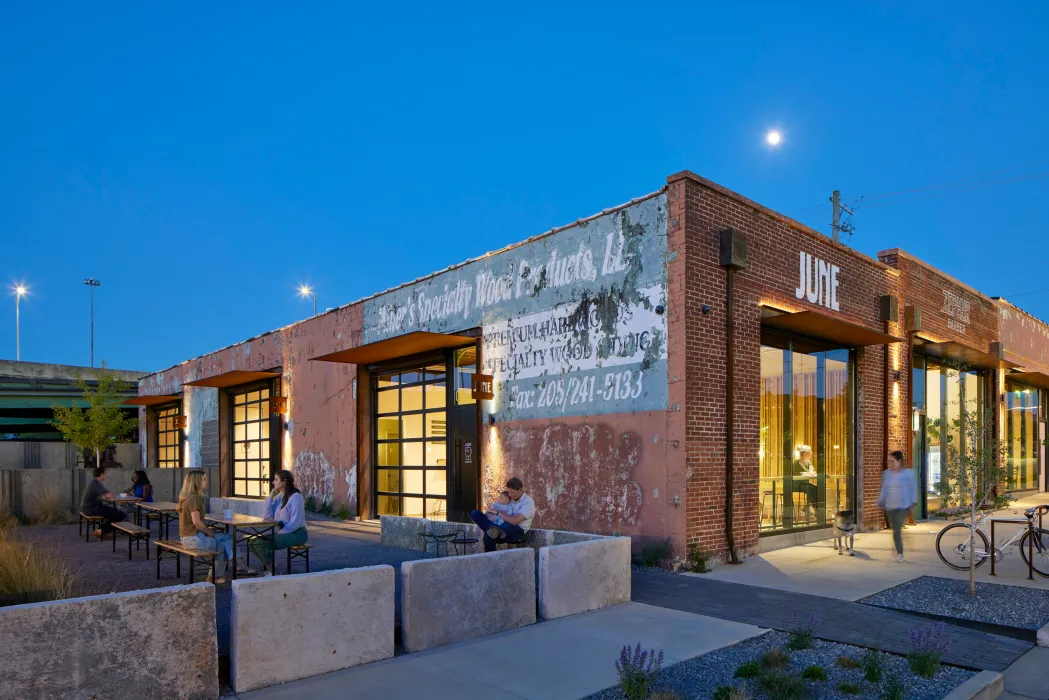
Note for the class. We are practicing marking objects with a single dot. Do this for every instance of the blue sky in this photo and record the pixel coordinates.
(202, 161)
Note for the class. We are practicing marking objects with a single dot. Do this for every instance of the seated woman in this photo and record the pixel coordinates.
(284, 505)
(195, 534)
(140, 487)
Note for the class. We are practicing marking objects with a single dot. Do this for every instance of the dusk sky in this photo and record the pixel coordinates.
(204, 160)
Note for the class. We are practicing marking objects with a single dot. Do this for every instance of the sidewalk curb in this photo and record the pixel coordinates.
(985, 685)
(1043, 636)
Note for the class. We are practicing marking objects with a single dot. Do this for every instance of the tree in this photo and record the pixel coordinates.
(975, 459)
(103, 422)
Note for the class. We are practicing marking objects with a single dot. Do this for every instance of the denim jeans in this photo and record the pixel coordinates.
(513, 532)
(260, 546)
(220, 543)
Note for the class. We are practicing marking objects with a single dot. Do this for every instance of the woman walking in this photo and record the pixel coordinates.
(898, 495)
(285, 505)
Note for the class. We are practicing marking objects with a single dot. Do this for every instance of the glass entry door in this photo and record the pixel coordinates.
(251, 442)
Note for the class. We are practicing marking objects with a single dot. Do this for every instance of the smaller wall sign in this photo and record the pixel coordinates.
(957, 310)
(468, 453)
(482, 387)
(278, 404)
(180, 422)
(817, 281)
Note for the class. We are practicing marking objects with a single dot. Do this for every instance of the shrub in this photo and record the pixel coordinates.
(31, 575)
(783, 686)
(800, 630)
(326, 508)
(872, 666)
(775, 658)
(893, 689)
(638, 671)
(47, 508)
(343, 512)
(8, 520)
(848, 662)
(930, 644)
(697, 558)
(751, 669)
(815, 673)
(311, 504)
(732, 692)
(850, 688)
(652, 554)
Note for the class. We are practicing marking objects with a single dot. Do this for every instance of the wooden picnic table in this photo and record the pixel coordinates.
(120, 498)
(162, 512)
(250, 526)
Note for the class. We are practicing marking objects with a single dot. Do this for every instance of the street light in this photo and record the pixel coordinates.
(307, 291)
(92, 283)
(20, 291)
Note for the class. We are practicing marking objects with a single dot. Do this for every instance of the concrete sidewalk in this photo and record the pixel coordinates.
(558, 660)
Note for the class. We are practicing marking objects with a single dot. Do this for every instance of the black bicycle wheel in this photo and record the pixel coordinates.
(1041, 550)
(954, 550)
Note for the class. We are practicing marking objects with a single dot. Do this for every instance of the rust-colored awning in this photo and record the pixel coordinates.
(233, 378)
(152, 400)
(400, 346)
(812, 324)
(964, 355)
(1038, 379)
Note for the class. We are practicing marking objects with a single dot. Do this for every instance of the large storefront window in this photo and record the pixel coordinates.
(939, 395)
(169, 438)
(806, 433)
(1021, 437)
(411, 428)
(251, 442)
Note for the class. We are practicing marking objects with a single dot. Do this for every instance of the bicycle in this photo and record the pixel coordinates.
(954, 545)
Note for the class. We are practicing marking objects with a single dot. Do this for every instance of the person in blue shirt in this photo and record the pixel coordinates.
(140, 487)
(285, 505)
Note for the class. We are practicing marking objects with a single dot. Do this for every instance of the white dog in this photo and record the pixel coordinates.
(845, 529)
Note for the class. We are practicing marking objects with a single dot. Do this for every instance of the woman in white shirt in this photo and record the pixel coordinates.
(285, 505)
(898, 495)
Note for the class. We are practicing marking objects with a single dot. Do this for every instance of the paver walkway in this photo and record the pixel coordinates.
(840, 621)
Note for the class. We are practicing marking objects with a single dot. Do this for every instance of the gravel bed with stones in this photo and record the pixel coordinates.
(1013, 606)
(698, 678)
(652, 570)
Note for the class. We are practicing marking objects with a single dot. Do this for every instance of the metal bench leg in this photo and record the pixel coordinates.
(307, 561)
(114, 540)
(158, 562)
(178, 564)
(129, 538)
(288, 550)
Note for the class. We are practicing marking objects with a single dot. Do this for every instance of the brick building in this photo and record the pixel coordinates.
(608, 345)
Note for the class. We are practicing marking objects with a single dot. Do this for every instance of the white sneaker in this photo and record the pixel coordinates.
(899, 558)
(268, 574)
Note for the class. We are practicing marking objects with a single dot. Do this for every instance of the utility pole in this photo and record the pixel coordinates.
(836, 227)
(92, 283)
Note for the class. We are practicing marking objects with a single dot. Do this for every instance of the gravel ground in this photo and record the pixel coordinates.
(1014, 606)
(698, 678)
(652, 570)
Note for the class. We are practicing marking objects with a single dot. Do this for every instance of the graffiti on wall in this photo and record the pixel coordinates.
(315, 476)
(572, 323)
(580, 477)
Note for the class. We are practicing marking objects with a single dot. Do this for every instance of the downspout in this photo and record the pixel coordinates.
(733, 256)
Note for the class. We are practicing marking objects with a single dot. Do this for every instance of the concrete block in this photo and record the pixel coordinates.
(588, 575)
(985, 685)
(458, 598)
(290, 627)
(244, 506)
(1043, 636)
(159, 644)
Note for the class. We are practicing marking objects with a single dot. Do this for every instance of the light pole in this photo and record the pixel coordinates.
(20, 291)
(92, 283)
(307, 291)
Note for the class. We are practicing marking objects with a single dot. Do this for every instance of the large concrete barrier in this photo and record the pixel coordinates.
(159, 643)
(458, 598)
(244, 506)
(581, 576)
(291, 627)
(399, 531)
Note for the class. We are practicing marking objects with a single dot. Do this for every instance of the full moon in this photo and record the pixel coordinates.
(773, 137)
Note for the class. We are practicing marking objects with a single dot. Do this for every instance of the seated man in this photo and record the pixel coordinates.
(516, 516)
(94, 503)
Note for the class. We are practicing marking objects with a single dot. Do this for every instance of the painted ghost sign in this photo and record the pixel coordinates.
(572, 323)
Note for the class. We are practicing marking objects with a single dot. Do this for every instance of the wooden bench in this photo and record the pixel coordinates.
(196, 557)
(299, 551)
(93, 522)
(134, 534)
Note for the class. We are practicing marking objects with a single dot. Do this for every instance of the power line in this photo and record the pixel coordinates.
(951, 183)
(1024, 294)
(960, 189)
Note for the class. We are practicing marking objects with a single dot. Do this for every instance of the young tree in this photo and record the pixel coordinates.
(975, 467)
(103, 422)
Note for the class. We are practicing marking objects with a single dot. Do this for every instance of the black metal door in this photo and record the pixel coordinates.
(466, 461)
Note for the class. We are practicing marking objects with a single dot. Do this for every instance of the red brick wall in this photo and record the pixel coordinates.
(773, 245)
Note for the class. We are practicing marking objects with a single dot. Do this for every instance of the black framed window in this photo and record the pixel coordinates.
(251, 441)
(169, 437)
(411, 442)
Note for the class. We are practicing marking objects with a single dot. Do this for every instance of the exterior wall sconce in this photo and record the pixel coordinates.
(491, 419)
(895, 375)
(916, 420)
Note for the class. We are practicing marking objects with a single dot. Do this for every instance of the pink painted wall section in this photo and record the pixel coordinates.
(605, 474)
(1026, 339)
(320, 446)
